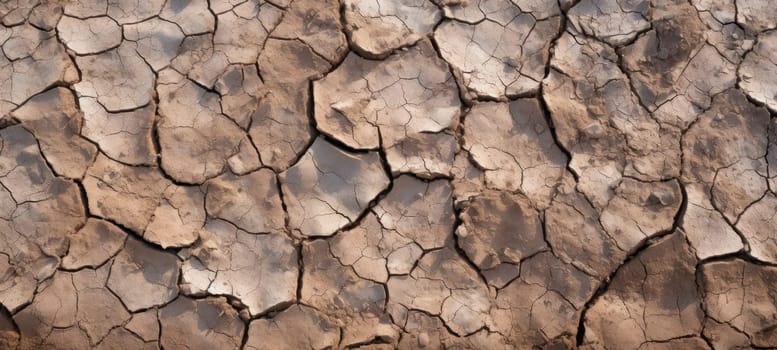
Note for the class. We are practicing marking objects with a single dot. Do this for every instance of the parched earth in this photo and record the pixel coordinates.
(379, 174)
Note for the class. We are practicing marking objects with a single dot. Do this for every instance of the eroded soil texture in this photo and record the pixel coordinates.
(388, 174)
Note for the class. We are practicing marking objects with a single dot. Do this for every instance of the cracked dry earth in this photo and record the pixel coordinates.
(378, 174)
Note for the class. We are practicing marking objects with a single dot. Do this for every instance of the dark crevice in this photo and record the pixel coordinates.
(8, 121)
(300, 271)
(460, 251)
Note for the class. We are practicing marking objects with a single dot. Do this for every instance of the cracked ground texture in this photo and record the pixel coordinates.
(388, 174)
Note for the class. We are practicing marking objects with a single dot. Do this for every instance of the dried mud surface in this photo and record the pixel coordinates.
(380, 174)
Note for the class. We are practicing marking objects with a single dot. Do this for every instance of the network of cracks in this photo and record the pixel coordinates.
(380, 174)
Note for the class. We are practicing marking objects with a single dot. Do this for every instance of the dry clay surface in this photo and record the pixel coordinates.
(381, 174)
